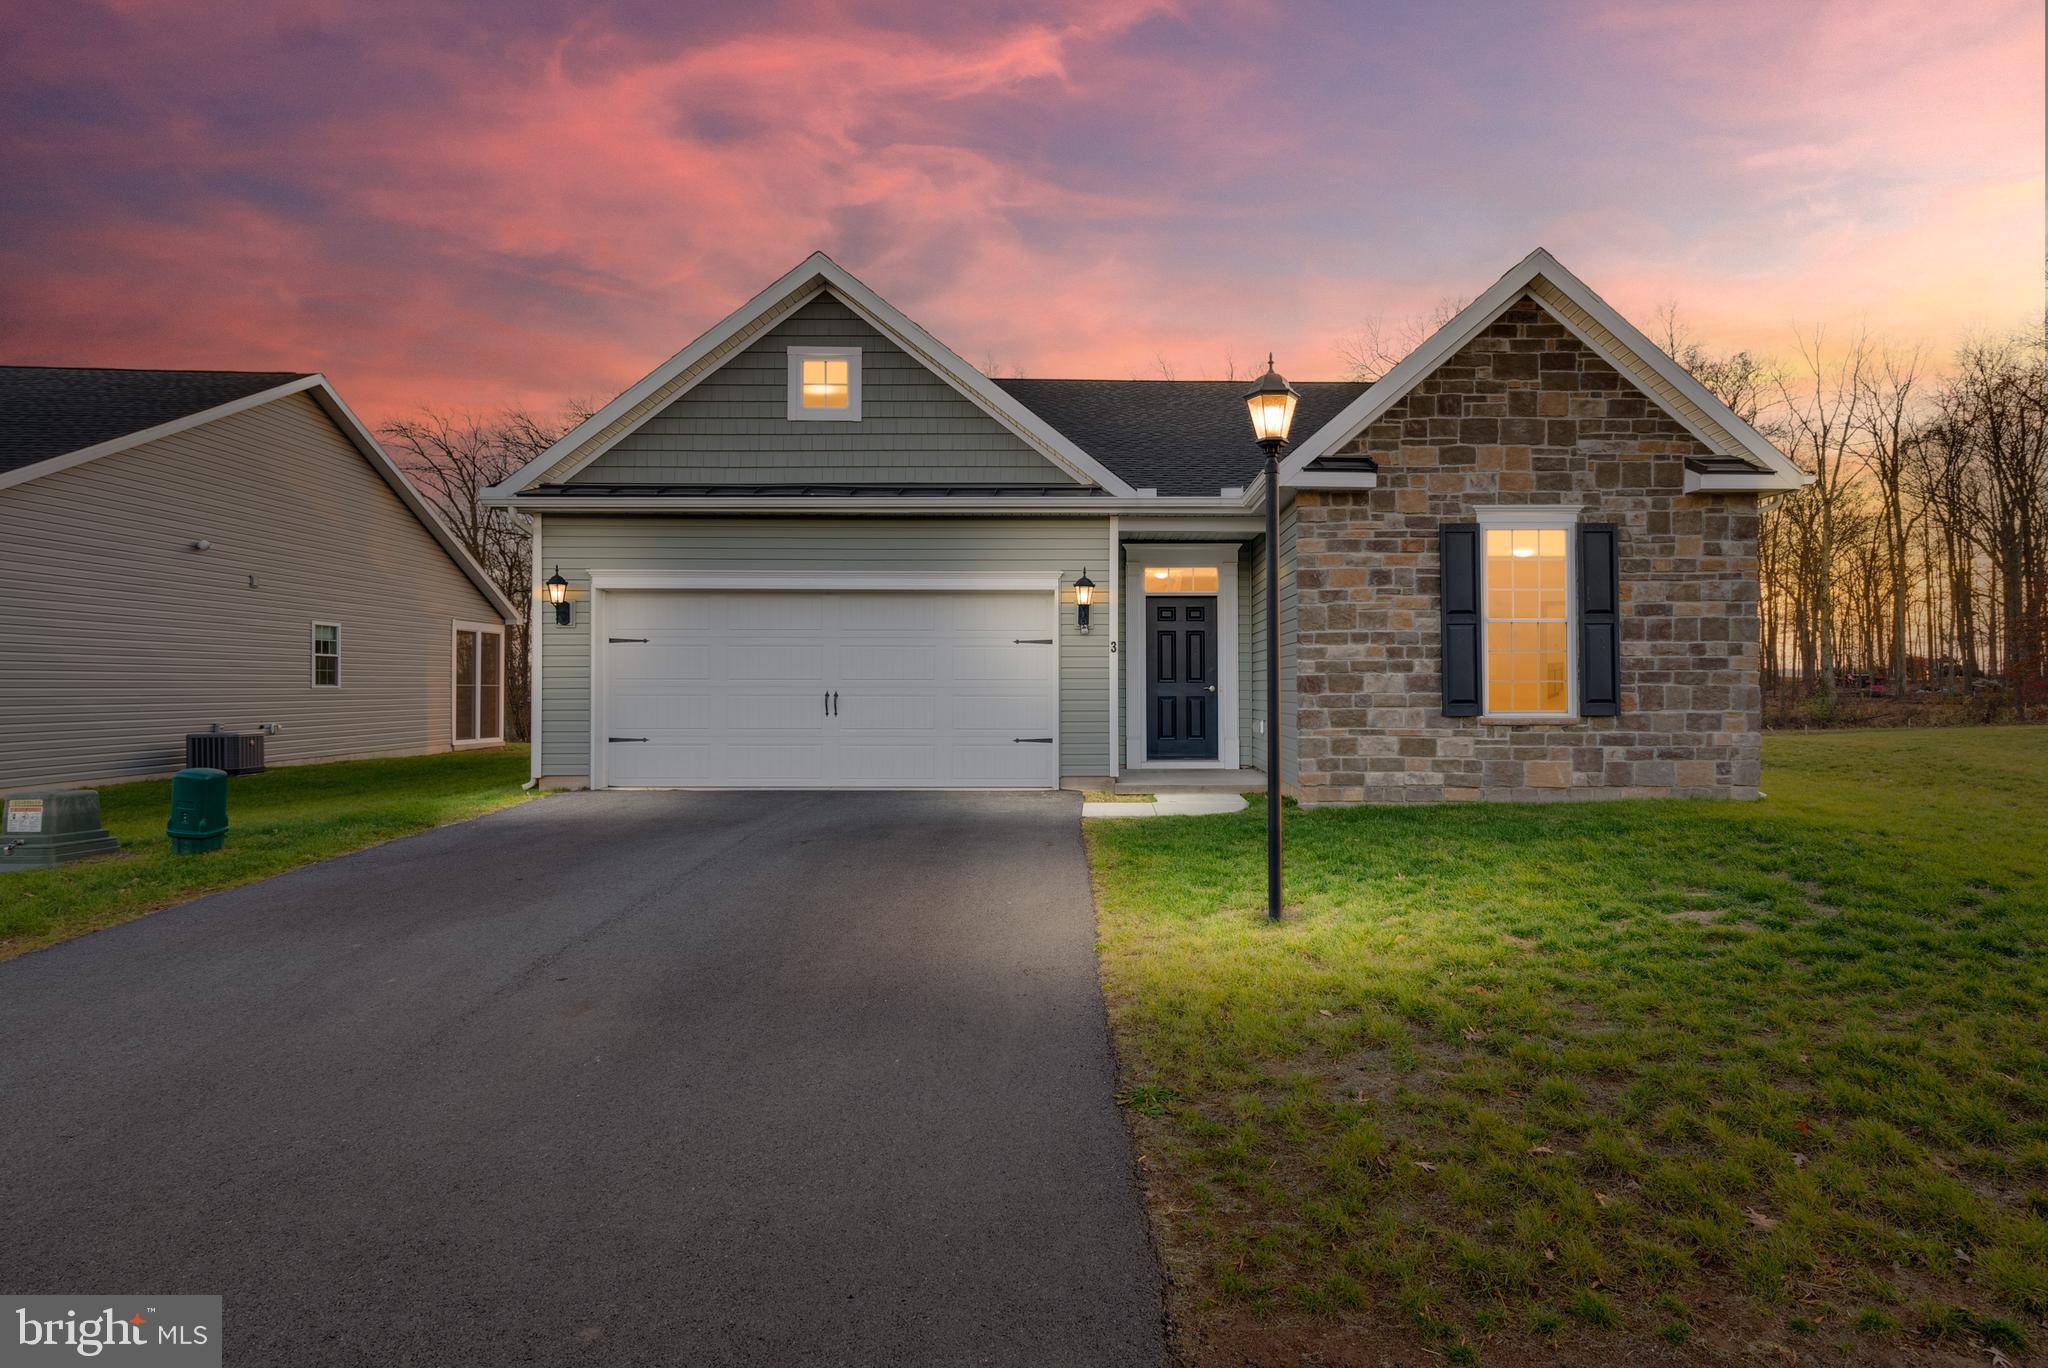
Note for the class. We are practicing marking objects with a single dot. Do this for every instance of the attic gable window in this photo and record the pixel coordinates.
(824, 384)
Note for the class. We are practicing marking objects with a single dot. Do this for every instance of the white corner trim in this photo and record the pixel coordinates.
(959, 581)
(796, 411)
(534, 650)
(1480, 314)
(1222, 555)
(818, 272)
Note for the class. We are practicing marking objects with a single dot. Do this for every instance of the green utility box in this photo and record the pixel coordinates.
(199, 811)
(52, 827)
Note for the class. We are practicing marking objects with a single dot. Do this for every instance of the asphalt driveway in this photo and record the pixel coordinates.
(611, 1078)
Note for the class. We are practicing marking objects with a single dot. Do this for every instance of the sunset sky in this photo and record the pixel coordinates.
(477, 204)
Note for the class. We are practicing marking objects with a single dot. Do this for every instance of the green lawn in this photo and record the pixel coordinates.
(278, 821)
(1636, 1081)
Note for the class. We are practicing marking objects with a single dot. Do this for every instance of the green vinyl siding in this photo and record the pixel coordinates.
(1255, 753)
(734, 427)
(1051, 546)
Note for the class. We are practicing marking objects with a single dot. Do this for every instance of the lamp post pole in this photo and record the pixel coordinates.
(1272, 448)
(1271, 402)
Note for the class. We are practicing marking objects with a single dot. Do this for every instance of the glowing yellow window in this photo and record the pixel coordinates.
(1528, 621)
(825, 383)
(1180, 579)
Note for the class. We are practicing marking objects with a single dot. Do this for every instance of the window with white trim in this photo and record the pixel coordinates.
(479, 684)
(824, 383)
(326, 655)
(1526, 578)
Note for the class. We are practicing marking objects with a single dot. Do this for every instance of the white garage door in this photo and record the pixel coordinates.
(757, 689)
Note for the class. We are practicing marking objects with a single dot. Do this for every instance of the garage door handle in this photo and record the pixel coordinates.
(835, 702)
(625, 738)
(1032, 740)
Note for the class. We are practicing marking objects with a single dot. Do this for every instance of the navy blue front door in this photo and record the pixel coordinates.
(1180, 676)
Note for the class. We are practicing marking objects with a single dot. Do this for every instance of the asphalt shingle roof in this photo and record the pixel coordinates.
(48, 411)
(1175, 436)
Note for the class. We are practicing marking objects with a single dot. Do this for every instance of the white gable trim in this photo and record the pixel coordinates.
(1480, 314)
(316, 388)
(816, 273)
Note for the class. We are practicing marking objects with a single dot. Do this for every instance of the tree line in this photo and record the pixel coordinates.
(1915, 564)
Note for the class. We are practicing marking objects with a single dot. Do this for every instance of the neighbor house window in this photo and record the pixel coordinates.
(1527, 578)
(1180, 579)
(824, 382)
(326, 655)
(479, 683)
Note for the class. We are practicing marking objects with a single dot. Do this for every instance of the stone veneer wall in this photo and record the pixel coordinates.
(1526, 414)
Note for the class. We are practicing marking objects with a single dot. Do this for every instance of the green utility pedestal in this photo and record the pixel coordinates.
(52, 827)
(199, 811)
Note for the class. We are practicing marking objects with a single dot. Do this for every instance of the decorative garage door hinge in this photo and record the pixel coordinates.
(1032, 740)
(616, 640)
(1031, 641)
(625, 738)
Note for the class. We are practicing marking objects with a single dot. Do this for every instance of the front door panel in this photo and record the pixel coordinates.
(1180, 676)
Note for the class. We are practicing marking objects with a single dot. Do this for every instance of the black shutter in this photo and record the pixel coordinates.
(1599, 622)
(1458, 553)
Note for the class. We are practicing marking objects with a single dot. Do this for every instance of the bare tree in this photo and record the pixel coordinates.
(1374, 347)
(1890, 431)
(452, 458)
(1823, 412)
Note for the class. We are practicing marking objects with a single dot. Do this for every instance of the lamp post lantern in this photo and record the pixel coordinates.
(1271, 401)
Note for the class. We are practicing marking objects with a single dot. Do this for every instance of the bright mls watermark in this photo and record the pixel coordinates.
(165, 1332)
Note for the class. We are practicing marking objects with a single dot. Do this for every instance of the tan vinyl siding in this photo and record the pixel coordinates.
(119, 637)
(734, 426)
(1016, 545)
(1638, 370)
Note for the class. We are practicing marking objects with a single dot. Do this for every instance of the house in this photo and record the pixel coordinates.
(191, 548)
(816, 549)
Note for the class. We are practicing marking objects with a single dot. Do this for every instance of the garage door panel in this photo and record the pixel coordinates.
(658, 662)
(732, 687)
(746, 662)
(897, 661)
(774, 712)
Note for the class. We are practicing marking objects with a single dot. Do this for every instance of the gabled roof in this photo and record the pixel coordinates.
(1175, 436)
(60, 399)
(676, 376)
(1757, 465)
(49, 411)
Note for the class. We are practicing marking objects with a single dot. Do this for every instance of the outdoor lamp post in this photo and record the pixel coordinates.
(1272, 402)
(558, 594)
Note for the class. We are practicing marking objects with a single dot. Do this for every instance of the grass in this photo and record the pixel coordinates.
(1532, 1083)
(278, 821)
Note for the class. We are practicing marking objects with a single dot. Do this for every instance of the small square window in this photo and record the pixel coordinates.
(824, 383)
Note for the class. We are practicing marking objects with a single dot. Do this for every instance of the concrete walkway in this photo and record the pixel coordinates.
(615, 1078)
(1170, 805)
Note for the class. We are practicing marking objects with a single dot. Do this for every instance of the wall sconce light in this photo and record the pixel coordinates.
(558, 594)
(1084, 595)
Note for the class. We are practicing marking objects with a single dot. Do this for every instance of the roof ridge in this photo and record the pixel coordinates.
(155, 370)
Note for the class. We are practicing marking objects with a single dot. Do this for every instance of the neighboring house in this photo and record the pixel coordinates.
(817, 549)
(187, 548)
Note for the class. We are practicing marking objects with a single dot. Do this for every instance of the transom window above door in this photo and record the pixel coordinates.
(1181, 579)
(824, 383)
